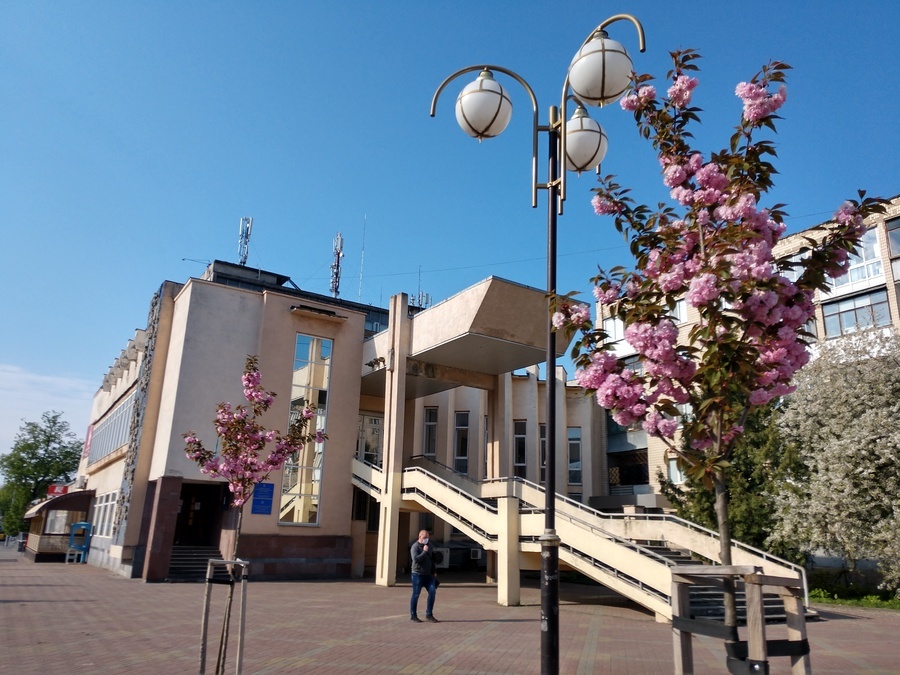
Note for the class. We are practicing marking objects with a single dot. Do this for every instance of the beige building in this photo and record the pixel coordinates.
(435, 418)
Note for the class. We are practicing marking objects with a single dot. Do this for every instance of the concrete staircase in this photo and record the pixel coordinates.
(632, 554)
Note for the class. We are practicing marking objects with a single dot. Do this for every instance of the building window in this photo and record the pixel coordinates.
(860, 311)
(864, 264)
(429, 443)
(484, 448)
(676, 475)
(574, 446)
(793, 273)
(543, 441)
(893, 233)
(112, 432)
(370, 444)
(104, 508)
(679, 314)
(520, 465)
(461, 443)
(614, 328)
(628, 468)
(301, 479)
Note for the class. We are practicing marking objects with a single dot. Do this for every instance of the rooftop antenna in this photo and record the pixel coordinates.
(244, 239)
(362, 257)
(336, 265)
(420, 299)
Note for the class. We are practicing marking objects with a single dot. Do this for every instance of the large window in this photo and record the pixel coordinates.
(520, 464)
(429, 442)
(484, 446)
(370, 444)
(893, 231)
(574, 446)
(302, 475)
(614, 328)
(628, 468)
(860, 311)
(104, 508)
(112, 431)
(543, 440)
(461, 443)
(864, 265)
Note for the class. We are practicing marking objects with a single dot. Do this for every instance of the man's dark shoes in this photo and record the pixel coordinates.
(415, 619)
(431, 619)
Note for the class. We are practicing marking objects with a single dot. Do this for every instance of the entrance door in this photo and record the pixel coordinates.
(200, 516)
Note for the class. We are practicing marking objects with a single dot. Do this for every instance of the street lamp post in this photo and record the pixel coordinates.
(599, 74)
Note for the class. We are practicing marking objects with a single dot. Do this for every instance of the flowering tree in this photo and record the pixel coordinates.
(844, 421)
(243, 459)
(716, 252)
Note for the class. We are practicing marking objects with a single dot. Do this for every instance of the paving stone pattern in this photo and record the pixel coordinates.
(58, 618)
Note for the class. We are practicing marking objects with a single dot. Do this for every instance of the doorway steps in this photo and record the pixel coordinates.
(189, 563)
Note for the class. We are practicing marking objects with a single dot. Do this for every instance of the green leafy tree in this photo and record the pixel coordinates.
(760, 462)
(844, 421)
(43, 453)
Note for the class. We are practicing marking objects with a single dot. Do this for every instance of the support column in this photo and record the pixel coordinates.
(162, 527)
(394, 416)
(508, 576)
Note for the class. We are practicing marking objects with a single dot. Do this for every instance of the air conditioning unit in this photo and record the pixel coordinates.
(80, 482)
(475, 553)
(445, 560)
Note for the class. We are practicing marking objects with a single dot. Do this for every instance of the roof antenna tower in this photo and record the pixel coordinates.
(336, 265)
(244, 239)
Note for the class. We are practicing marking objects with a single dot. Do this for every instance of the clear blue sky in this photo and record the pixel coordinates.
(134, 136)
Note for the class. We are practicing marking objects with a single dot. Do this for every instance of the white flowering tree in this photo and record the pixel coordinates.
(714, 248)
(844, 421)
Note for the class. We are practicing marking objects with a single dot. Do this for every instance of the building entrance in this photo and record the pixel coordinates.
(200, 515)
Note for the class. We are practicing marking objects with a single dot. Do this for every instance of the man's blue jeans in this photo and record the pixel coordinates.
(420, 581)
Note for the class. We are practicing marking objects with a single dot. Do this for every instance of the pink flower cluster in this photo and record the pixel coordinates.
(243, 460)
(604, 207)
(637, 99)
(681, 90)
(758, 103)
(574, 313)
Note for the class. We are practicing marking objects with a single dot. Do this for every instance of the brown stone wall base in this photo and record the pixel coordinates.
(280, 557)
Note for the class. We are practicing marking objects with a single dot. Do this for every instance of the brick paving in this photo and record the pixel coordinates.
(81, 619)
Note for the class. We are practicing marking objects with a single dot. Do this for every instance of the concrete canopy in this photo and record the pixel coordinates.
(496, 326)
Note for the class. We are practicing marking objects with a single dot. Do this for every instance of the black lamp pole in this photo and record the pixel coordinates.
(486, 117)
(549, 540)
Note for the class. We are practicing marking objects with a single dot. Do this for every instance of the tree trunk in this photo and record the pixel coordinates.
(226, 619)
(725, 547)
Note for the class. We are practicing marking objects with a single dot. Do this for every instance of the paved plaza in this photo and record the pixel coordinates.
(59, 618)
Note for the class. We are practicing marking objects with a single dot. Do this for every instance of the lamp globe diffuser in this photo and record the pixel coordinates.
(601, 70)
(483, 107)
(586, 143)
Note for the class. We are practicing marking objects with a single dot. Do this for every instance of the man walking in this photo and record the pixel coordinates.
(423, 570)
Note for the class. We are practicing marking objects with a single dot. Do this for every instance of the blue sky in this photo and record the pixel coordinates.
(134, 136)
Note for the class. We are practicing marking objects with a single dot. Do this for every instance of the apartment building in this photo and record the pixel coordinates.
(866, 296)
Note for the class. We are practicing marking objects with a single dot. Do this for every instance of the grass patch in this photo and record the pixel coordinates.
(854, 598)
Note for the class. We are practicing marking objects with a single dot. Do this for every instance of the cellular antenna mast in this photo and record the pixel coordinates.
(244, 239)
(362, 257)
(336, 266)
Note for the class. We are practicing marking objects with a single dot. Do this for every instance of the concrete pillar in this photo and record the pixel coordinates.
(508, 576)
(394, 420)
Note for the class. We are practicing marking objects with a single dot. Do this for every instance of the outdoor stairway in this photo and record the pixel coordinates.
(707, 602)
(189, 563)
(632, 554)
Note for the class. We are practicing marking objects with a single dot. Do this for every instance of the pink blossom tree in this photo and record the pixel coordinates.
(716, 252)
(246, 454)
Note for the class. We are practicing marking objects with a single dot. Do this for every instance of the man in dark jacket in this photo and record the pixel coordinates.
(423, 575)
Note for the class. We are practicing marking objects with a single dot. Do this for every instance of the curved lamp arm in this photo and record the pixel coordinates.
(534, 105)
(564, 99)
